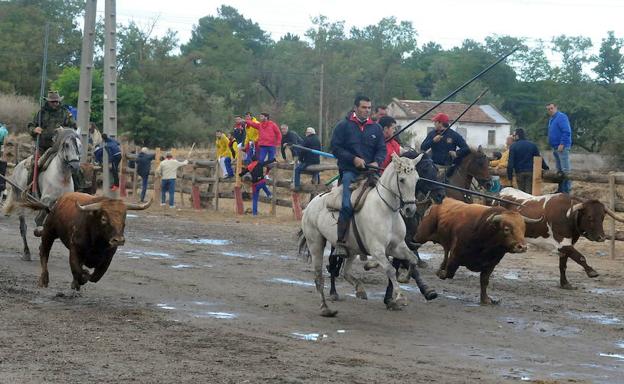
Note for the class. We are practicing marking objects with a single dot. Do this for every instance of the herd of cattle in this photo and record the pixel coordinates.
(472, 235)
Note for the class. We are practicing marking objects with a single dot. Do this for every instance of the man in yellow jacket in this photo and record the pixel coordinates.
(503, 161)
(224, 154)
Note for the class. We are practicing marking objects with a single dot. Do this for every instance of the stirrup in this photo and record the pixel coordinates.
(341, 250)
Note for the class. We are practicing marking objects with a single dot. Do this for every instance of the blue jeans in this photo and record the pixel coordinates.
(144, 180)
(346, 211)
(266, 151)
(563, 165)
(297, 176)
(167, 185)
(228, 167)
(256, 195)
(250, 153)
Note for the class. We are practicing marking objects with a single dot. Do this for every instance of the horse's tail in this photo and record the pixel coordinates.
(9, 203)
(304, 252)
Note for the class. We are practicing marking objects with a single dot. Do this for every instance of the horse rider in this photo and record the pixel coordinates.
(444, 142)
(49, 118)
(357, 142)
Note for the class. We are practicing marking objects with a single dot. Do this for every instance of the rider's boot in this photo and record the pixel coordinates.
(341, 245)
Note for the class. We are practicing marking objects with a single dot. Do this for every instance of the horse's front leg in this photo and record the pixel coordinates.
(333, 268)
(23, 229)
(402, 253)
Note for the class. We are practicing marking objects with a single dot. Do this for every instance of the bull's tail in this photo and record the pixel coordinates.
(303, 251)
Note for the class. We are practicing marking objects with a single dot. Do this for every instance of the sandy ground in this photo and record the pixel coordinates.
(214, 299)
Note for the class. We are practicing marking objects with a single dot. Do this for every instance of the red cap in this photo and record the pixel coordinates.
(441, 117)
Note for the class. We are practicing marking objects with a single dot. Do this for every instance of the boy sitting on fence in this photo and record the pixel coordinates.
(254, 173)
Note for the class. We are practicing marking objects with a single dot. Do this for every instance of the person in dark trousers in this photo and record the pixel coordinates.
(446, 145)
(307, 158)
(254, 171)
(521, 155)
(288, 138)
(113, 149)
(357, 141)
(144, 164)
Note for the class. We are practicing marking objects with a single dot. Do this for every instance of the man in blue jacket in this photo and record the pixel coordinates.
(113, 148)
(560, 139)
(444, 142)
(521, 154)
(357, 141)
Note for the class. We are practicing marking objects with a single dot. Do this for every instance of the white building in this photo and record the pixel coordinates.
(482, 125)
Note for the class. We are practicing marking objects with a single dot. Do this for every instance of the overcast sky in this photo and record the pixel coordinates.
(446, 22)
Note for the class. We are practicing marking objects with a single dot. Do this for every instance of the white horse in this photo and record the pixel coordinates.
(379, 223)
(54, 181)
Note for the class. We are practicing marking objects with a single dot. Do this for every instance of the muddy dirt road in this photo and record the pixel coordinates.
(204, 298)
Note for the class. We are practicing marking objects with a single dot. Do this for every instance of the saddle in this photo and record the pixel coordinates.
(359, 192)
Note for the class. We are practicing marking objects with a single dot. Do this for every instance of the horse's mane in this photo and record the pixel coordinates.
(61, 136)
(457, 162)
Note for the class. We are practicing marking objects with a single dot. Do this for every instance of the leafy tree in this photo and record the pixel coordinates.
(574, 55)
(610, 65)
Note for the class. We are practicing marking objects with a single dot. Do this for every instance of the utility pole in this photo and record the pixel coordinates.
(110, 85)
(321, 105)
(86, 69)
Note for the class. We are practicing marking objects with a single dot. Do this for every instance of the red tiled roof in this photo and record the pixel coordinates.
(414, 108)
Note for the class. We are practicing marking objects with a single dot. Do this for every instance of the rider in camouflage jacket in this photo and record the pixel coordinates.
(52, 116)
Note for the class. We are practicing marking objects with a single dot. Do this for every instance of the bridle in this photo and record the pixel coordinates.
(68, 163)
(402, 202)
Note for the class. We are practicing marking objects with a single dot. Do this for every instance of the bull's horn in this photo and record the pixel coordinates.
(613, 214)
(495, 218)
(89, 207)
(139, 207)
(529, 220)
(575, 208)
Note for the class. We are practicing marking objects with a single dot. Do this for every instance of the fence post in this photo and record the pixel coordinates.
(274, 176)
(156, 178)
(238, 194)
(122, 177)
(217, 172)
(295, 198)
(537, 176)
(195, 189)
(612, 221)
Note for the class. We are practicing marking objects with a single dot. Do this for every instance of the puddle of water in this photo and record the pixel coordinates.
(136, 254)
(284, 257)
(607, 291)
(165, 306)
(612, 355)
(341, 331)
(408, 288)
(620, 344)
(208, 241)
(597, 317)
(182, 266)
(427, 256)
(540, 327)
(146, 240)
(131, 215)
(309, 336)
(217, 315)
(239, 254)
(292, 282)
(511, 275)
(159, 255)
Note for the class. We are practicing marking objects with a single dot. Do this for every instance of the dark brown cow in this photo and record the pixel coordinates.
(474, 236)
(566, 220)
(91, 228)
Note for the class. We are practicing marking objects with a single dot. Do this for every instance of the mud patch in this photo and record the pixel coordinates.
(540, 327)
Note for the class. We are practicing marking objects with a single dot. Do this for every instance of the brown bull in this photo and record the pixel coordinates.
(474, 236)
(91, 228)
(566, 219)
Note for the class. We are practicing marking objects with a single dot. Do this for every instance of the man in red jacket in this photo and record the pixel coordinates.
(269, 138)
(389, 124)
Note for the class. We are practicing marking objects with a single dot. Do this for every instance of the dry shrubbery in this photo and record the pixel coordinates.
(16, 111)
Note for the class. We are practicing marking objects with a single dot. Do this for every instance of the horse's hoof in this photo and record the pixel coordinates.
(361, 295)
(568, 286)
(75, 285)
(370, 265)
(441, 273)
(402, 301)
(334, 297)
(591, 273)
(490, 301)
(326, 312)
(393, 306)
(430, 294)
(38, 232)
(422, 264)
(403, 276)
(25, 256)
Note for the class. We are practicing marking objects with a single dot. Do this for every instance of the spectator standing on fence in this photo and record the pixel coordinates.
(168, 172)
(113, 148)
(521, 155)
(560, 140)
(289, 138)
(388, 124)
(307, 158)
(254, 171)
(503, 162)
(224, 155)
(269, 137)
(144, 164)
(251, 138)
(233, 145)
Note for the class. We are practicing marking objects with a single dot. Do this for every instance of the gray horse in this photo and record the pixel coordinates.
(53, 182)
